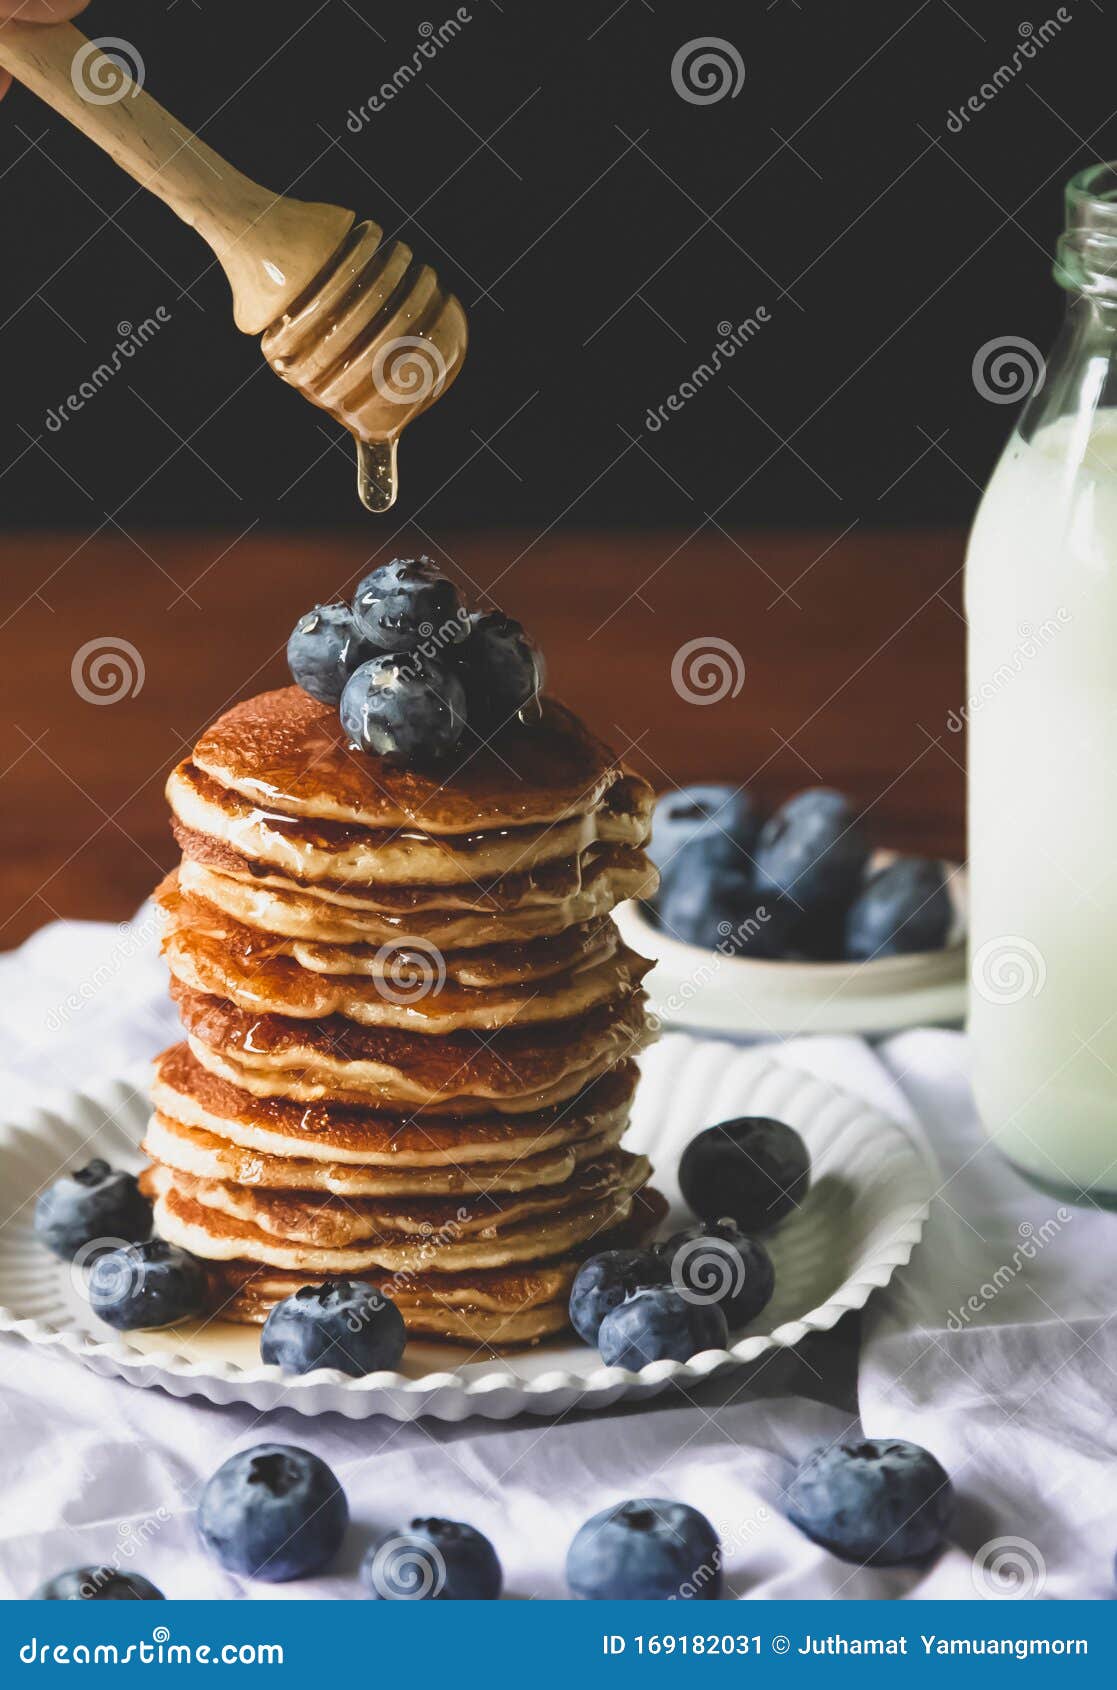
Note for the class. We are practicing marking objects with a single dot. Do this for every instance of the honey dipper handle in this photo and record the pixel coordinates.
(270, 247)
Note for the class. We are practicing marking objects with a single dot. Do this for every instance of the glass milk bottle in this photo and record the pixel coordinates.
(1041, 603)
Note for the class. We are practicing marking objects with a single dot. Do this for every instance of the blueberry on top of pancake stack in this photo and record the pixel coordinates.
(410, 1022)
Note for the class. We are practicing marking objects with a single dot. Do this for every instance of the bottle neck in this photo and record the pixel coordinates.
(1086, 255)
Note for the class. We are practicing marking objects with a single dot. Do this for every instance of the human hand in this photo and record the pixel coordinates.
(36, 11)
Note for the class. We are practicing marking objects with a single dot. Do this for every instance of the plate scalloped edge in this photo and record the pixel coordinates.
(446, 1395)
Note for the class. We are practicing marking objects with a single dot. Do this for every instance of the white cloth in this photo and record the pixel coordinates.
(1013, 1391)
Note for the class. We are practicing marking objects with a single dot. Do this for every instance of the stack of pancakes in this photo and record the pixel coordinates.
(410, 1021)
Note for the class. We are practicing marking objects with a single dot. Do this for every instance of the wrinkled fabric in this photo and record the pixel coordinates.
(995, 1348)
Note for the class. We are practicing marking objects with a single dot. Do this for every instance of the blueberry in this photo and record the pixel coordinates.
(811, 850)
(722, 815)
(324, 649)
(717, 1263)
(660, 1324)
(341, 1323)
(754, 1170)
(902, 908)
(503, 669)
(607, 1279)
(433, 1561)
(93, 1202)
(273, 1512)
(407, 602)
(881, 1502)
(646, 1550)
(146, 1285)
(404, 707)
(97, 1584)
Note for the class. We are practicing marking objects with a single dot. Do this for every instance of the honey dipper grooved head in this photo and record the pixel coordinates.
(374, 339)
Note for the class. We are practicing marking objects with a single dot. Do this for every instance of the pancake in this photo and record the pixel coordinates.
(491, 1308)
(517, 1068)
(514, 963)
(332, 915)
(438, 1225)
(289, 753)
(193, 1150)
(183, 1219)
(414, 990)
(482, 1147)
(312, 850)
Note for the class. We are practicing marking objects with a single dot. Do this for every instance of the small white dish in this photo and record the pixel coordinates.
(871, 1186)
(712, 992)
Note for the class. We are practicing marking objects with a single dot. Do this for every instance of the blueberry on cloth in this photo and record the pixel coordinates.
(97, 1584)
(146, 1285)
(340, 1323)
(645, 1549)
(717, 1263)
(880, 1502)
(754, 1170)
(92, 1202)
(273, 1512)
(659, 1324)
(607, 1279)
(433, 1561)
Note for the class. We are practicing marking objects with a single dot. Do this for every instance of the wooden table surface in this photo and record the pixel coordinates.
(851, 649)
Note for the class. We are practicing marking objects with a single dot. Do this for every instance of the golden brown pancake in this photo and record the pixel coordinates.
(514, 963)
(285, 751)
(312, 850)
(414, 991)
(336, 1223)
(519, 1068)
(494, 1307)
(457, 1147)
(335, 915)
(194, 1150)
(183, 1219)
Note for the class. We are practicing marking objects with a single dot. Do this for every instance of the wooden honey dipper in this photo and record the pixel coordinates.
(360, 328)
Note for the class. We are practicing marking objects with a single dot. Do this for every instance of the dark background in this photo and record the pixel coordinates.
(598, 228)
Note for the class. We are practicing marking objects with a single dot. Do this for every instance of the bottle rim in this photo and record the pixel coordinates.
(1086, 254)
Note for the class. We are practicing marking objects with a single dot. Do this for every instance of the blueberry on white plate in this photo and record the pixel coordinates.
(144, 1286)
(341, 1323)
(716, 1262)
(811, 850)
(660, 1323)
(91, 1203)
(607, 1279)
(754, 1170)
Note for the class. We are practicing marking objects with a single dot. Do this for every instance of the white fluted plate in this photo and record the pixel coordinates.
(862, 1218)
